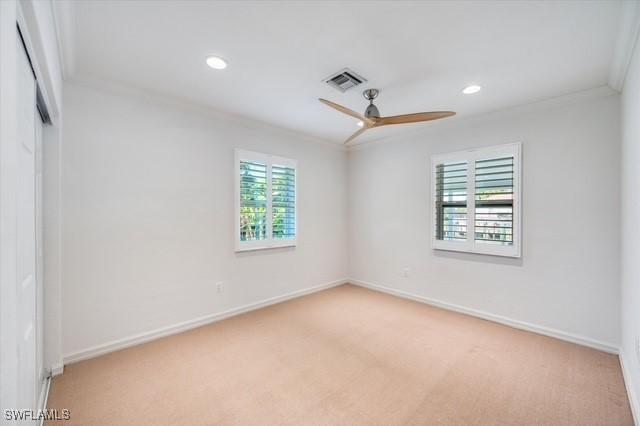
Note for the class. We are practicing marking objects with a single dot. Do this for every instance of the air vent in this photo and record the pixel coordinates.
(344, 80)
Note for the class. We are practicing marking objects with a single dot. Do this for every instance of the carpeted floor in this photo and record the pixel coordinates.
(347, 356)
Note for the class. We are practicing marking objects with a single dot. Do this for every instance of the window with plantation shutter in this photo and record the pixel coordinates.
(476, 200)
(265, 201)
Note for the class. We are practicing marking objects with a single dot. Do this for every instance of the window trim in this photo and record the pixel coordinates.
(470, 156)
(269, 160)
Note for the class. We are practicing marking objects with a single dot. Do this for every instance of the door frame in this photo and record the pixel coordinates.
(37, 22)
(42, 25)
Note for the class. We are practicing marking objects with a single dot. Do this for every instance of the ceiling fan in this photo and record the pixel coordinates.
(372, 118)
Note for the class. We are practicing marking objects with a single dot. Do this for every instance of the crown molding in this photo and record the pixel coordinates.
(628, 30)
(500, 113)
(120, 89)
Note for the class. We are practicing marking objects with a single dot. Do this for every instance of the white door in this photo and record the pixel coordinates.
(26, 290)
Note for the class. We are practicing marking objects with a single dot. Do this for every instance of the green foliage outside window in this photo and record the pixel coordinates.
(253, 201)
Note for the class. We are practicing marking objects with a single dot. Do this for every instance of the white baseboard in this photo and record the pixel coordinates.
(44, 394)
(57, 369)
(631, 389)
(44, 398)
(573, 338)
(137, 339)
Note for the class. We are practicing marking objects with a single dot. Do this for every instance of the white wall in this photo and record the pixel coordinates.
(148, 216)
(630, 226)
(8, 205)
(568, 276)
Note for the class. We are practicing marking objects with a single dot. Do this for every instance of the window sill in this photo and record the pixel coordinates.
(502, 251)
(283, 244)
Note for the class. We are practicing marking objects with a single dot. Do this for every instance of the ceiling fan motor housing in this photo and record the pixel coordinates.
(372, 110)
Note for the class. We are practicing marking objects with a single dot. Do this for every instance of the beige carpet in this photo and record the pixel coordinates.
(347, 356)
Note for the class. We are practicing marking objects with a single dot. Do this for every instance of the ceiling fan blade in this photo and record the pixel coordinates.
(356, 134)
(413, 118)
(347, 111)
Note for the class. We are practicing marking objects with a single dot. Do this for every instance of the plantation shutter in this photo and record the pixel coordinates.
(253, 201)
(265, 201)
(477, 199)
(494, 201)
(451, 201)
(283, 204)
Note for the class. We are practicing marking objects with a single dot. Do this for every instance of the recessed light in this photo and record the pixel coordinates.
(360, 124)
(216, 62)
(471, 89)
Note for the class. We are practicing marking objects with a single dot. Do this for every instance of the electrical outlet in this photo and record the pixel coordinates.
(406, 272)
(219, 287)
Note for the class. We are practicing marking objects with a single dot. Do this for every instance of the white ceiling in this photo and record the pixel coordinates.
(419, 54)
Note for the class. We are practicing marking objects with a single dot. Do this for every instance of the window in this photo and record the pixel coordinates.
(265, 201)
(476, 200)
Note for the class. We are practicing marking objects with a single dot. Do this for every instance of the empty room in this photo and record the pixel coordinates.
(319, 212)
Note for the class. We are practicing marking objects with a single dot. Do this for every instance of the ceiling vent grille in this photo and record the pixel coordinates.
(344, 80)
